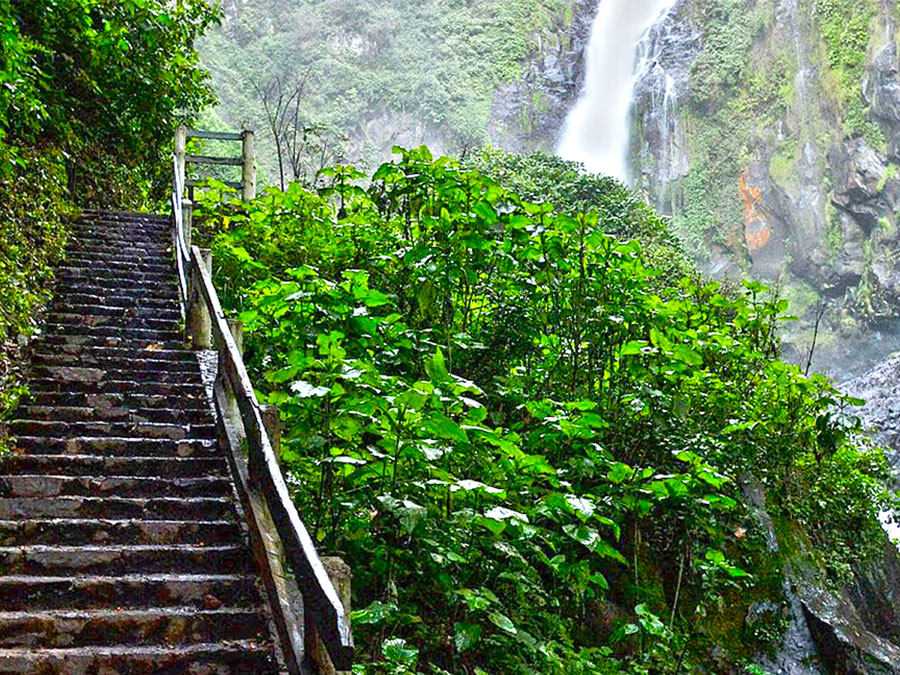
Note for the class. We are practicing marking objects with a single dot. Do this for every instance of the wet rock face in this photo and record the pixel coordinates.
(775, 184)
(529, 114)
(659, 143)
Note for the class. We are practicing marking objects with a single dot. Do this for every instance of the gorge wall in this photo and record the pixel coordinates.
(768, 130)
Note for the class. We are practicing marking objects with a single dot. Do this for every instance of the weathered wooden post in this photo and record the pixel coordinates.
(181, 150)
(233, 412)
(341, 576)
(249, 175)
(198, 319)
(271, 417)
(187, 217)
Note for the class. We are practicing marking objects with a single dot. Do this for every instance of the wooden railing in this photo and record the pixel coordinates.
(319, 623)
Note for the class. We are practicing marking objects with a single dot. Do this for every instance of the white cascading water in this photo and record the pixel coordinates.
(597, 132)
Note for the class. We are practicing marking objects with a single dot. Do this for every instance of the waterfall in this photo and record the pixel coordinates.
(597, 131)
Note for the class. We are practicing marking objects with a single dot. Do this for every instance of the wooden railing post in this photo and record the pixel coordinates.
(187, 209)
(233, 411)
(199, 322)
(181, 149)
(271, 417)
(249, 176)
(341, 576)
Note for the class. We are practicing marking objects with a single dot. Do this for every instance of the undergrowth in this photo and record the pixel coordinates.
(534, 447)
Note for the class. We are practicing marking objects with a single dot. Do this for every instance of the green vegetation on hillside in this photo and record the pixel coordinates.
(374, 69)
(533, 447)
(89, 95)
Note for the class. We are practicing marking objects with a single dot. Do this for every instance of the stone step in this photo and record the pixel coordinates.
(46, 486)
(112, 447)
(113, 298)
(93, 242)
(80, 375)
(227, 658)
(133, 268)
(79, 272)
(141, 227)
(66, 308)
(143, 261)
(147, 388)
(119, 237)
(166, 626)
(93, 321)
(62, 413)
(123, 336)
(75, 531)
(60, 429)
(203, 591)
(80, 279)
(103, 353)
(162, 508)
(146, 361)
(127, 289)
(89, 340)
(134, 402)
(57, 561)
(87, 465)
(130, 229)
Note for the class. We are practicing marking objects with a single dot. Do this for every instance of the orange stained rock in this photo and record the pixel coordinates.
(757, 232)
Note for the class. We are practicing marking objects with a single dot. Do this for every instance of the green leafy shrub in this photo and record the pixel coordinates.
(533, 454)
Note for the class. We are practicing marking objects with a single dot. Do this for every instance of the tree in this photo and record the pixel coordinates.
(301, 146)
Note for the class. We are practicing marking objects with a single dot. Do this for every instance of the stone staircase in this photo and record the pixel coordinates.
(121, 549)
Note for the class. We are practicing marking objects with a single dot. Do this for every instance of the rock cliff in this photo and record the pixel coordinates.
(768, 130)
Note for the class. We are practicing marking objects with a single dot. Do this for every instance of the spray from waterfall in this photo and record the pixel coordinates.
(597, 130)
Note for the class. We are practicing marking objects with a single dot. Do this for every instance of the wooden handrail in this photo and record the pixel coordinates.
(266, 490)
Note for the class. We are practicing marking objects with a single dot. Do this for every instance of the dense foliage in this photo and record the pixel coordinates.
(538, 453)
(538, 176)
(90, 91)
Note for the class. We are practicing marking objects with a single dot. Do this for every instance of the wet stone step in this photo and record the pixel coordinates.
(104, 342)
(133, 231)
(118, 430)
(194, 392)
(162, 508)
(157, 258)
(166, 627)
(232, 658)
(117, 362)
(134, 266)
(141, 226)
(113, 298)
(203, 591)
(139, 403)
(123, 335)
(105, 353)
(127, 288)
(113, 447)
(45, 486)
(65, 531)
(75, 280)
(98, 275)
(80, 375)
(100, 243)
(86, 465)
(69, 309)
(123, 560)
(93, 321)
(129, 415)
